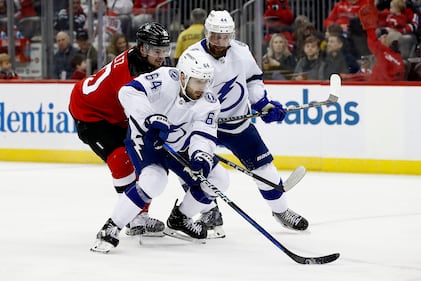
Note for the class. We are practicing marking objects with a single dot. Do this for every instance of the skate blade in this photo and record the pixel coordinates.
(182, 236)
(101, 247)
(216, 233)
(154, 234)
(134, 231)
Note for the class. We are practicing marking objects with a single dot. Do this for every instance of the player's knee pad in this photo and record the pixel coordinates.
(153, 180)
(121, 168)
(268, 172)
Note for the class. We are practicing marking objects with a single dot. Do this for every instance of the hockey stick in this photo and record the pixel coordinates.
(289, 183)
(205, 182)
(335, 86)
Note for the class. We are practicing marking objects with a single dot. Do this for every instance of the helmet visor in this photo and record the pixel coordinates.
(220, 39)
(158, 52)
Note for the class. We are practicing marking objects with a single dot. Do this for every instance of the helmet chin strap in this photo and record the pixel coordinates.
(184, 91)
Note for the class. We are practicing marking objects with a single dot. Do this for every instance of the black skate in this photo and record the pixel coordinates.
(146, 226)
(107, 237)
(291, 220)
(182, 227)
(213, 221)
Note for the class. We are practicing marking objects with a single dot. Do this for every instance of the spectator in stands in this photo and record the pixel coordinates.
(87, 50)
(23, 8)
(192, 34)
(279, 58)
(389, 65)
(124, 10)
(6, 71)
(310, 67)
(334, 28)
(403, 20)
(303, 28)
(357, 39)
(345, 13)
(365, 65)
(143, 11)
(342, 12)
(62, 58)
(111, 23)
(78, 62)
(79, 18)
(118, 44)
(335, 61)
(3, 8)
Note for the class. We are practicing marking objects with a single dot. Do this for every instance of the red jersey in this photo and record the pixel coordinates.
(343, 11)
(95, 98)
(406, 22)
(389, 65)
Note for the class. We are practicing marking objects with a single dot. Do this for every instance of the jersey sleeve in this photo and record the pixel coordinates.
(137, 107)
(254, 75)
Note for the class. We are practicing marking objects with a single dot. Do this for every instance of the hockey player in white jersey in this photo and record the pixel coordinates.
(173, 106)
(238, 82)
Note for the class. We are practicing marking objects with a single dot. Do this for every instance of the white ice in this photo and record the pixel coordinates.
(50, 214)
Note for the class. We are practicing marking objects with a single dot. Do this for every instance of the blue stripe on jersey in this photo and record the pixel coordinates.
(137, 85)
(255, 77)
(137, 196)
(272, 194)
(200, 195)
(228, 126)
(205, 135)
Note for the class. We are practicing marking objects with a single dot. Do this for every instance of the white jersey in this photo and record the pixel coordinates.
(192, 123)
(238, 82)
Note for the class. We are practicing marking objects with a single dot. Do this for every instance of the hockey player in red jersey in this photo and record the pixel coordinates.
(100, 119)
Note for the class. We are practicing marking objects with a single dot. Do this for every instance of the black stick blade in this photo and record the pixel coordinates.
(316, 260)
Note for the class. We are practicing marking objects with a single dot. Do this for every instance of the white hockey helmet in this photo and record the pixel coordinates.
(219, 22)
(195, 64)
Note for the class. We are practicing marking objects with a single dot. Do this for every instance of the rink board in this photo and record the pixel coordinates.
(372, 129)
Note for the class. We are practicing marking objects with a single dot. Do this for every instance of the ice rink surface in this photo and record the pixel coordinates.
(50, 214)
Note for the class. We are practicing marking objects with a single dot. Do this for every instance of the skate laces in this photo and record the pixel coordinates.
(291, 217)
(210, 216)
(111, 230)
(191, 225)
(151, 223)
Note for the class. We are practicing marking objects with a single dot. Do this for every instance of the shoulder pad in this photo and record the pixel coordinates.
(241, 44)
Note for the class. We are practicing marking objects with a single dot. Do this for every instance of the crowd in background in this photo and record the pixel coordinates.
(293, 48)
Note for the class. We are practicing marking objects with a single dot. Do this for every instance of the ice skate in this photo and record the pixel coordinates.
(146, 226)
(213, 221)
(291, 220)
(182, 227)
(107, 237)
